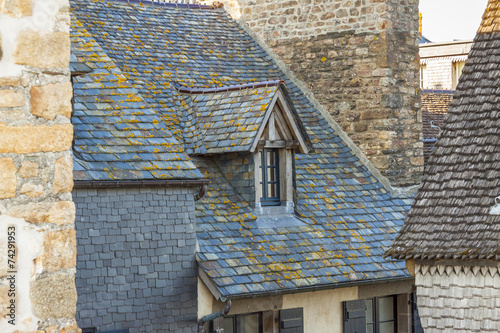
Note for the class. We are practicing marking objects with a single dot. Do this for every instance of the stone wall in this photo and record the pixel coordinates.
(458, 298)
(136, 266)
(36, 178)
(359, 58)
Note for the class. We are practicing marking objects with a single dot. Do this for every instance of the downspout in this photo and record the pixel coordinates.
(210, 317)
(201, 194)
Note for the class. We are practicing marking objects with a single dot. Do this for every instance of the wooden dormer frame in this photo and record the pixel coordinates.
(280, 132)
(280, 113)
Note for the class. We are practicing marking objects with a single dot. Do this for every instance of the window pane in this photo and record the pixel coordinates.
(387, 327)
(271, 160)
(271, 174)
(369, 311)
(228, 324)
(248, 323)
(271, 190)
(385, 309)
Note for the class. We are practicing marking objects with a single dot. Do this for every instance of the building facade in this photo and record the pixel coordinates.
(441, 64)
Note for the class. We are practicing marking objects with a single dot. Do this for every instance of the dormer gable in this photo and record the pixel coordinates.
(280, 128)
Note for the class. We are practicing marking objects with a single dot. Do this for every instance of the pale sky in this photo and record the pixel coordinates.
(447, 20)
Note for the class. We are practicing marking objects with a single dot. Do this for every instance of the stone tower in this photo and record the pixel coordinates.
(37, 234)
(360, 60)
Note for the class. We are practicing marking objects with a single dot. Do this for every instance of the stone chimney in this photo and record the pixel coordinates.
(360, 59)
(37, 235)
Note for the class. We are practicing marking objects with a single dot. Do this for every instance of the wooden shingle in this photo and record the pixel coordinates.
(450, 218)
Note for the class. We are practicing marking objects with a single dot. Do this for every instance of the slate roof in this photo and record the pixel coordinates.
(450, 217)
(118, 136)
(349, 217)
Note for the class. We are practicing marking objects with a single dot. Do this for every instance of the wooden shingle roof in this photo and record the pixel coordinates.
(451, 216)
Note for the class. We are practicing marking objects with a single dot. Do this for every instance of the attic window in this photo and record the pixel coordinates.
(274, 162)
(270, 180)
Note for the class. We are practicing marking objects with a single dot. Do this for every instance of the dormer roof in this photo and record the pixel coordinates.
(233, 119)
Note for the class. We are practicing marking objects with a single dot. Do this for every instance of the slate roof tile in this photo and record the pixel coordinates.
(338, 199)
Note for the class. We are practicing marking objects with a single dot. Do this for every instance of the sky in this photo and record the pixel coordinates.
(448, 20)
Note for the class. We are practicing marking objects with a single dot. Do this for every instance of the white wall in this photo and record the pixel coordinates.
(458, 298)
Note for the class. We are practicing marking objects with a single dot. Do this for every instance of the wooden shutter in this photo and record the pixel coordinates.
(417, 326)
(292, 321)
(355, 316)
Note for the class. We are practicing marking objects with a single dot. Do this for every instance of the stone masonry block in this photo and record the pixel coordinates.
(33, 139)
(29, 169)
(51, 100)
(42, 50)
(11, 98)
(32, 190)
(54, 297)
(16, 8)
(59, 251)
(61, 212)
(8, 181)
(63, 176)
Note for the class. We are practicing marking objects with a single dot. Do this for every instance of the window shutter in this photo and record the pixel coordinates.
(292, 321)
(417, 326)
(355, 316)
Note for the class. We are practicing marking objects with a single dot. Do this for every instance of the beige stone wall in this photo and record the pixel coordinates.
(305, 18)
(457, 298)
(36, 176)
(360, 60)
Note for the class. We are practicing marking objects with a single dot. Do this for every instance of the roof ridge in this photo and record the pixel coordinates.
(216, 5)
(187, 90)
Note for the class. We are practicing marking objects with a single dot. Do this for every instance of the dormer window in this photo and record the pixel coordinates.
(278, 139)
(258, 122)
(270, 181)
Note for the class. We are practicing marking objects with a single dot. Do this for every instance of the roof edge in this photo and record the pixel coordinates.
(401, 254)
(196, 91)
(316, 288)
(170, 4)
(139, 183)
